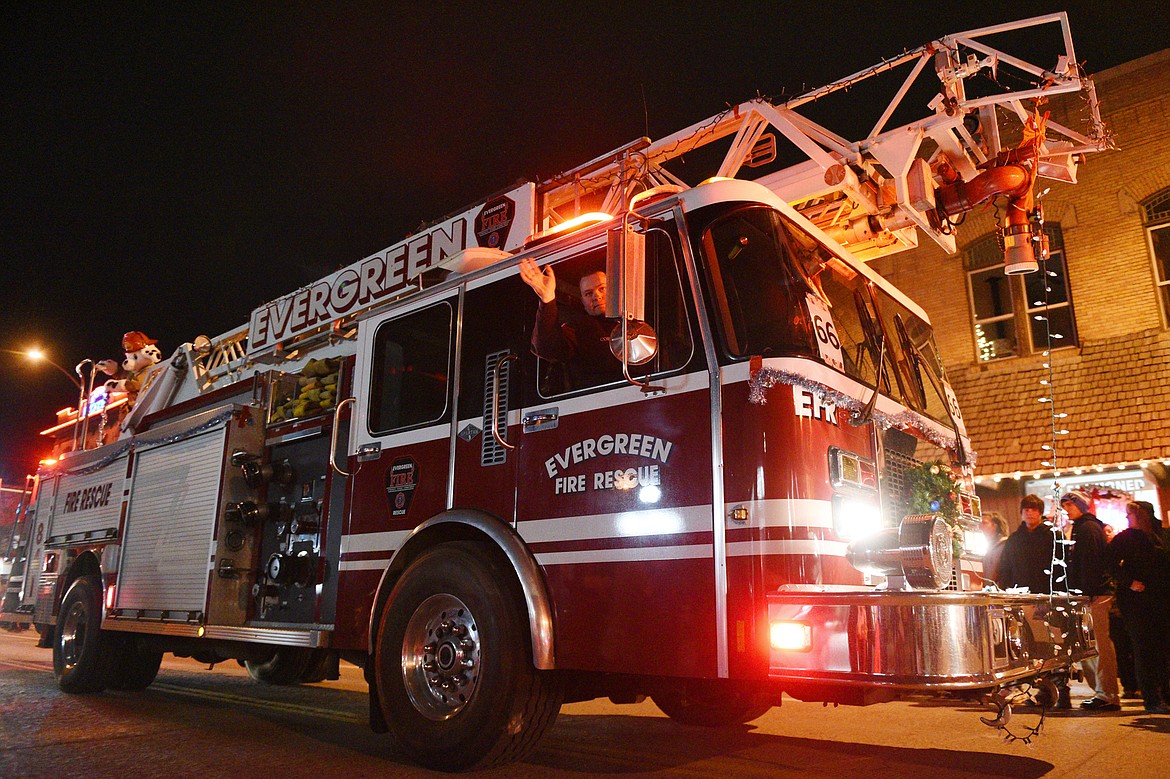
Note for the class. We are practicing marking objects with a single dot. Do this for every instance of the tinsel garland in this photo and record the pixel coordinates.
(142, 441)
(765, 378)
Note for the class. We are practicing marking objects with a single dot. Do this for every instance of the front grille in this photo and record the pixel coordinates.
(896, 496)
(895, 490)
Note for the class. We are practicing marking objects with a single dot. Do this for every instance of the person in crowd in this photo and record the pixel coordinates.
(1087, 575)
(1122, 646)
(581, 342)
(1027, 554)
(1141, 569)
(995, 530)
(1027, 561)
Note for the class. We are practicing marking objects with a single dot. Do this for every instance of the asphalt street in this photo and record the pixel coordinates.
(193, 722)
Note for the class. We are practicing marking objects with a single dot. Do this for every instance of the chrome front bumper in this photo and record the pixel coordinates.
(928, 641)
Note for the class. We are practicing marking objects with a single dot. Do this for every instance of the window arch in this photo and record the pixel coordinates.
(1009, 313)
(1156, 220)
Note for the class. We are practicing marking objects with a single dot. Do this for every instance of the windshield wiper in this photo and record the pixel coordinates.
(921, 367)
(866, 414)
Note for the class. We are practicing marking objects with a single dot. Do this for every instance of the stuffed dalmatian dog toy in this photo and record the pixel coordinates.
(141, 354)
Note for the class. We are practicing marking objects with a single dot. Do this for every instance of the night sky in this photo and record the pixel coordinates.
(168, 169)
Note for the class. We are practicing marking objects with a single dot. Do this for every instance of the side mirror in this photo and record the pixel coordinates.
(643, 342)
(625, 273)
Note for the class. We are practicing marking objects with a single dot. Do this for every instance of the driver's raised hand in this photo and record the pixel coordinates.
(544, 283)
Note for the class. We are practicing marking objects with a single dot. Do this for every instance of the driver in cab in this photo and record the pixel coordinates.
(582, 341)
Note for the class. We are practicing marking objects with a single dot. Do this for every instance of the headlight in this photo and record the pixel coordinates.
(856, 507)
(974, 542)
(856, 516)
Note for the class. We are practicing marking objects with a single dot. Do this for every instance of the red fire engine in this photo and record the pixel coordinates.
(378, 467)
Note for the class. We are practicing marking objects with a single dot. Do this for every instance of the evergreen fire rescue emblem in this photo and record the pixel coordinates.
(401, 480)
(494, 221)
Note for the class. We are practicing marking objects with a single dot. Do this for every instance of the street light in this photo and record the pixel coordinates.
(38, 355)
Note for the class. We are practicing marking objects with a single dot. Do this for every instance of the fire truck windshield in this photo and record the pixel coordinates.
(763, 270)
(759, 291)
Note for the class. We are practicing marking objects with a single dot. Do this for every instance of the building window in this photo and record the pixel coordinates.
(1017, 315)
(1156, 217)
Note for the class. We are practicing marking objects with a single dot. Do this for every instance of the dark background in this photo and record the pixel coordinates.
(167, 168)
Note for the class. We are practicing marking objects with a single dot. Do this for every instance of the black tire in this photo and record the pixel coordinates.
(81, 650)
(710, 706)
(318, 668)
(132, 667)
(286, 665)
(454, 672)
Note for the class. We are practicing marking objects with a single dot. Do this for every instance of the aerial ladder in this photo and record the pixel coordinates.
(874, 194)
(982, 142)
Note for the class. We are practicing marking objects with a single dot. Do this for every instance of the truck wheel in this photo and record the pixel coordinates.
(454, 670)
(317, 668)
(712, 708)
(81, 651)
(132, 667)
(285, 666)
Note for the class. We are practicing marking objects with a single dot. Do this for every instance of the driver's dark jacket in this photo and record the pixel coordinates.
(581, 343)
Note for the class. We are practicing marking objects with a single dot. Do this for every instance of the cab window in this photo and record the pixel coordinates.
(411, 369)
(588, 361)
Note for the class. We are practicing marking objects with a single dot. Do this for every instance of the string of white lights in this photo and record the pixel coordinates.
(1058, 578)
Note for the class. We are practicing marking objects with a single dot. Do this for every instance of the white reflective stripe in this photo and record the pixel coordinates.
(363, 565)
(648, 522)
(812, 547)
(784, 512)
(635, 555)
(811, 369)
(386, 541)
(639, 524)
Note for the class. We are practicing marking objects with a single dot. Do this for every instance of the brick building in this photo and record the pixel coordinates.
(1106, 319)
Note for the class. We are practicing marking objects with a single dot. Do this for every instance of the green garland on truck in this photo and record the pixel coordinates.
(934, 489)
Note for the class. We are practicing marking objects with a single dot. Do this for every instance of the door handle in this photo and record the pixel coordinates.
(333, 438)
(496, 401)
(544, 419)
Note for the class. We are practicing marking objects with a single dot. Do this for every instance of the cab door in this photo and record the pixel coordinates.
(496, 369)
(615, 489)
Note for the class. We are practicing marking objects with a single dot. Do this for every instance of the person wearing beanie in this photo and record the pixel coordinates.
(1087, 574)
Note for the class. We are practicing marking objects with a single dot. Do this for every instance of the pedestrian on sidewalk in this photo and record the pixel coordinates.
(995, 530)
(1027, 561)
(1122, 645)
(1139, 564)
(1087, 575)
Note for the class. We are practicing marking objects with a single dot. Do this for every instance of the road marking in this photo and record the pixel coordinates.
(260, 703)
(26, 665)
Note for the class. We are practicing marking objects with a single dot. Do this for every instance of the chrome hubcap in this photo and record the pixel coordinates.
(73, 635)
(441, 657)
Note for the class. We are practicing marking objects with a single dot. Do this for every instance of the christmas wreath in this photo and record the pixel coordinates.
(934, 489)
